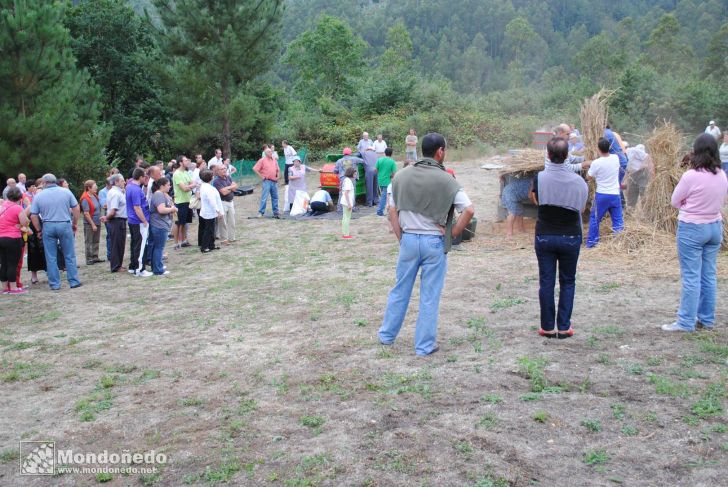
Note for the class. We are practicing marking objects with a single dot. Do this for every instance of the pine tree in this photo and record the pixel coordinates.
(226, 43)
(49, 109)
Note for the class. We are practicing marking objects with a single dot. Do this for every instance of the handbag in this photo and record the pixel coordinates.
(195, 202)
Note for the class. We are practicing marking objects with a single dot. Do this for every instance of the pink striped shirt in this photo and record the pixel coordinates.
(700, 195)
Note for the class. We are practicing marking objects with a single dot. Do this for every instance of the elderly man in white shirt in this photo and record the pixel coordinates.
(289, 153)
(215, 160)
(210, 210)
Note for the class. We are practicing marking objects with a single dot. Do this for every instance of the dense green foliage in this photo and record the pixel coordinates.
(160, 77)
(49, 108)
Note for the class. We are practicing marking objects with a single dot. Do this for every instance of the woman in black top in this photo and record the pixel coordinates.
(561, 196)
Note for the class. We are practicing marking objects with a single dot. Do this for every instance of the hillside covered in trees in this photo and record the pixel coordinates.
(160, 77)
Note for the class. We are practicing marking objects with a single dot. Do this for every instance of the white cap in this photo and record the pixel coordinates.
(712, 122)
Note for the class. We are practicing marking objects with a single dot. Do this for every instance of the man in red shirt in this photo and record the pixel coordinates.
(267, 169)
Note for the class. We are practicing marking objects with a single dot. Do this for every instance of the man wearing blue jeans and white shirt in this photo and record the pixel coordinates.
(606, 171)
(59, 210)
(423, 199)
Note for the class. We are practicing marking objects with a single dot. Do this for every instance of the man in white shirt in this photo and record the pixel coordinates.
(321, 203)
(379, 145)
(713, 130)
(215, 160)
(21, 182)
(605, 170)
(420, 211)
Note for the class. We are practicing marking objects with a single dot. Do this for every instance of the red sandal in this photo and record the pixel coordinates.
(547, 334)
(566, 333)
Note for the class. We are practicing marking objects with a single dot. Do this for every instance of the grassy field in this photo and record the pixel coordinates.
(259, 365)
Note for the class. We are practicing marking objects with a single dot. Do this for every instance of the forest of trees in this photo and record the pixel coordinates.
(92, 82)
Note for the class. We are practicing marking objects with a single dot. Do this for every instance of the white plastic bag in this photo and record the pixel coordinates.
(300, 203)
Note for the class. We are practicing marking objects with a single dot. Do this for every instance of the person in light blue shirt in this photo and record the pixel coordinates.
(60, 211)
(365, 143)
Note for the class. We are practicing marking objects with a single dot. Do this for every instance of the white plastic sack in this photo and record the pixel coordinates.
(300, 203)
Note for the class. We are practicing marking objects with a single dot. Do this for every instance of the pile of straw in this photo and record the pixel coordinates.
(638, 239)
(524, 163)
(666, 146)
(593, 114)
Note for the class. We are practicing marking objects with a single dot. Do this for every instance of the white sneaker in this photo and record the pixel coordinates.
(166, 273)
(144, 274)
(674, 327)
(132, 271)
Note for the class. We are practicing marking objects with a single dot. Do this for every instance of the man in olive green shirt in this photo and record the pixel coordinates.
(385, 167)
(183, 186)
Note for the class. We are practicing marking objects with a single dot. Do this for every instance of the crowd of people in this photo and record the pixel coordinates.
(156, 204)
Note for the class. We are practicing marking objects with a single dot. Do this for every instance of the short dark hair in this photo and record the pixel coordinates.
(350, 171)
(557, 150)
(431, 142)
(206, 175)
(138, 173)
(388, 151)
(603, 144)
(14, 194)
(705, 154)
(159, 183)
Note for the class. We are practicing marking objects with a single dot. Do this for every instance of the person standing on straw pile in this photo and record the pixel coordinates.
(640, 170)
(699, 196)
(605, 171)
(561, 197)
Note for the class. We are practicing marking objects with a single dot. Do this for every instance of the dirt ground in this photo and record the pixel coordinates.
(259, 365)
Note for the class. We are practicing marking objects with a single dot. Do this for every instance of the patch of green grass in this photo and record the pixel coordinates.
(464, 448)
(396, 461)
(718, 353)
(9, 455)
(724, 446)
(21, 371)
(654, 361)
(147, 375)
(691, 420)
(89, 406)
(593, 425)
(710, 403)
(720, 428)
(541, 416)
(384, 353)
(531, 396)
(490, 481)
(604, 359)
(361, 322)
(223, 472)
(666, 387)
(451, 358)
(487, 421)
(121, 369)
(247, 406)
(102, 477)
(477, 324)
(91, 364)
(45, 317)
(312, 421)
(107, 382)
(618, 411)
(598, 456)
(634, 368)
(149, 479)
(608, 287)
(592, 341)
(628, 430)
(532, 369)
(609, 330)
(650, 417)
(505, 303)
(191, 401)
(346, 300)
(280, 384)
(492, 399)
(418, 383)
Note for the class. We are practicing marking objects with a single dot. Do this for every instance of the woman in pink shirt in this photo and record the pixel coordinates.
(13, 221)
(699, 196)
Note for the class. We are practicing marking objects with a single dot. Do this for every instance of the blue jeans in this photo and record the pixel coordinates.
(725, 168)
(417, 252)
(697, 249)
(269, 187)
(382, 200)
(604, 203)
(553, 250)
(59, 232)
(156, 248)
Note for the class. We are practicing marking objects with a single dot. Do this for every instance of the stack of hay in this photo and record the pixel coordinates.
(524, 163)
(593, 117)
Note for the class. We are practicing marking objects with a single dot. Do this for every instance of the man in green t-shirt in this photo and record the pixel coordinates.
(385, 168)
(183, 186)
